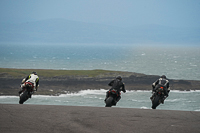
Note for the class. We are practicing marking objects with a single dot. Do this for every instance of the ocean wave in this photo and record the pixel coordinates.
(138, 91)
(178, 91)
(174, 100)
(85, 92)
(132, 99)
(9, 97)
(100, 92)
(143, 107)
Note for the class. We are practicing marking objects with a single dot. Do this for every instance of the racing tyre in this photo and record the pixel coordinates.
(155, 102)
(109, 101)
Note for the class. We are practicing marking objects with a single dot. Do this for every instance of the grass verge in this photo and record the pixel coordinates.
(53, 73)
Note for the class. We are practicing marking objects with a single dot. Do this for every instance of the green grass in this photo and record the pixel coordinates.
(53, 73)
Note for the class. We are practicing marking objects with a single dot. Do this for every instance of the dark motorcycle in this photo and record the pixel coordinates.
(111, 100)
(26, 92)
(158, 97)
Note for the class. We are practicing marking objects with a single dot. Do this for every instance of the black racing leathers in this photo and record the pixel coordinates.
(161, 82)
(117, 85)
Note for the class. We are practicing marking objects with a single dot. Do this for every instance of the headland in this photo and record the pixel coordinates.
(55, 82)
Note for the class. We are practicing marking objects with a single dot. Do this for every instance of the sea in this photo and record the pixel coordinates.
(174, 61)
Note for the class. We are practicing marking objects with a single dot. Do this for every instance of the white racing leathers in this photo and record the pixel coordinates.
(34, 79)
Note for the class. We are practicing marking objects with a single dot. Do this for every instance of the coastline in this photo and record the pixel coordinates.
(55, 82)
(54, 118)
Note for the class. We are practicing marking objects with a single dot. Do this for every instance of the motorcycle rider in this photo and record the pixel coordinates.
(117, 85)
(32, 78)
(161, 82)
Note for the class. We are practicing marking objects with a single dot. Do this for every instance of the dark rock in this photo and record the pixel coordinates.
(60, 85)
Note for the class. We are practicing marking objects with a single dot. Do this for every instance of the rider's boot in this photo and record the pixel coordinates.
(20, 91)
(105, 99)
(151, 97)
(116, 100)
(163, 99)
(153, 93)
(106, 96)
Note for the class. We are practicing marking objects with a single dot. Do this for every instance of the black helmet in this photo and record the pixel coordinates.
(119, 77)
(163, 76)
(34, 73)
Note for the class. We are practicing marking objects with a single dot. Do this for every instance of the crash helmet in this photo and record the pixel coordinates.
(119, 77)
(34, 73)
(163, 76)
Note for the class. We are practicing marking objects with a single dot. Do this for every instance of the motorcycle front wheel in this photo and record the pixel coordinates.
(155, 102)
(23, 97)
(109, 101)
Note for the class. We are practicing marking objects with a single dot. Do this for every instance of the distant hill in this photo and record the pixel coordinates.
(66, 31)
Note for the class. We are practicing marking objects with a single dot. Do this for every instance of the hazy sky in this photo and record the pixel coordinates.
(123, 13)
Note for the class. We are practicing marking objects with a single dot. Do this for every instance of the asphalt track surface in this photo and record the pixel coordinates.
(77, 119)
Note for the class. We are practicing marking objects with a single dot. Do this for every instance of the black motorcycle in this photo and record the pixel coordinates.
(111, 100)
(158, 97)
(26, 92)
